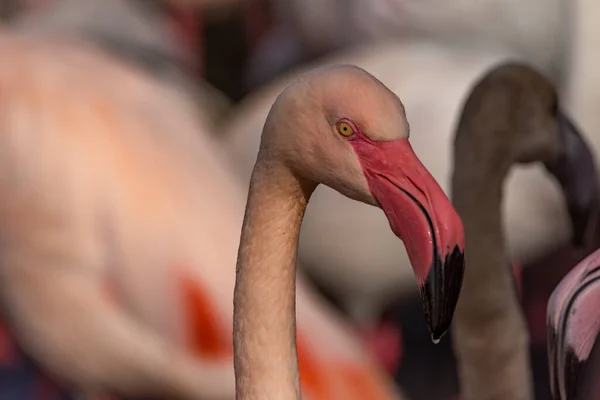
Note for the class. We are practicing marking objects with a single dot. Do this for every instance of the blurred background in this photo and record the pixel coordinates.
(238, 54)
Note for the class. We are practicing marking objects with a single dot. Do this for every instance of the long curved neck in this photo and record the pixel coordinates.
(489, 335)
(477, 183)
(266, 362)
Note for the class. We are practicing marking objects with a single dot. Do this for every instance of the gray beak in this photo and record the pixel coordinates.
(575, 170)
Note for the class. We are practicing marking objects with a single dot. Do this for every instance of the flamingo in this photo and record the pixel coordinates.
(512, 115)
(573, 328)
(119, 237)
(341, 127)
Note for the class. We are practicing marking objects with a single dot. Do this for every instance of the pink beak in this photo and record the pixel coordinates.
(421, 215)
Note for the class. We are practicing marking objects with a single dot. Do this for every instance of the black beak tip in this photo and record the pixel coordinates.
(438, 331)
(441, 290)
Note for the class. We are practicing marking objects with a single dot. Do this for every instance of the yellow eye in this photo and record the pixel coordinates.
(345, 129)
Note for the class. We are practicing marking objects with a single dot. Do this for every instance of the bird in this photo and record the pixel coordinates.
(55, 268)
(341, 127)
(511, 116)
(573, 324)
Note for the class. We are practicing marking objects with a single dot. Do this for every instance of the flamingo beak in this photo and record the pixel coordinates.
(421, 215)
(573, 325)
(575, 171)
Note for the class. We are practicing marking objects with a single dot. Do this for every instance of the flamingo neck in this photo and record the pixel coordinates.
(265, 356)
(477, 193)
(488, 323)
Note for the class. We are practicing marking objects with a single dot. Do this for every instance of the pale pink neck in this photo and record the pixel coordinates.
(266, 362)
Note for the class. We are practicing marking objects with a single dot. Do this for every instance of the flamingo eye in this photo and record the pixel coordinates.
(345, 129)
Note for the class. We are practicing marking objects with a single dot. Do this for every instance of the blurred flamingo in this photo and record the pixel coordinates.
(489, 334)
(573, 331)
